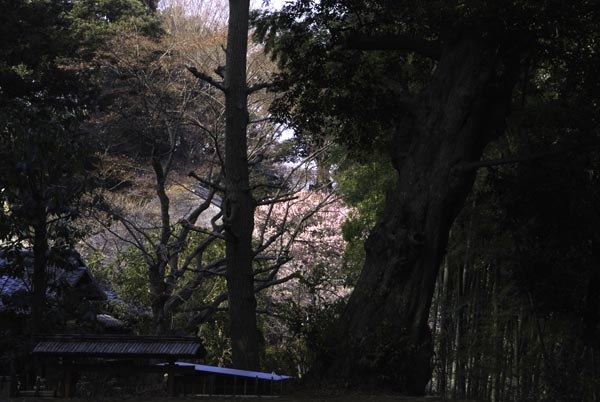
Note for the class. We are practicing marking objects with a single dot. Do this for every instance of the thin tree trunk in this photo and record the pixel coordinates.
(40, 258)
(158, 296)
(457, 366)
(437, 300)
(443, 348)
(496, 337)
(158, 287)
(591, 315)
(386, 338)
(238, 214)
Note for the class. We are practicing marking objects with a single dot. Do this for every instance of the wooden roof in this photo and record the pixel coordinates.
(124, 346)
(16, 272)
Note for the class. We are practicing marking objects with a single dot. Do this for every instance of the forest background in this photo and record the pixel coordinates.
(459, 139)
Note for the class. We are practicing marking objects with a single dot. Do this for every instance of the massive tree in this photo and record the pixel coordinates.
(238, 215)
(435, 87)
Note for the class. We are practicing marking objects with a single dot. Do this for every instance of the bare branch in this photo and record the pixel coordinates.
(274, 282)
(275, 200)
(206, 312)
(220, 71)
(257, 121)
(206, 182)
(280, 262)
(207, 78)
(197, 252)
(188, 289)
(200, 229)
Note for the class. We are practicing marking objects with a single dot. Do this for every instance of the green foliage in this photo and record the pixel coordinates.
(45, 96)
(326, 88)
(42, 160)
(529, 231)
(216, 340)
(128, 277)
(95, 22)
(301, 337)
(363, 184)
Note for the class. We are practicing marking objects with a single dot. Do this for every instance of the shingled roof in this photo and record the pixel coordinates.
(75, 275)
(121, 346)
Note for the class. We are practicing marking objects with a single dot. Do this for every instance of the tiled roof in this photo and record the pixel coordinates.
(77, 276)
(72, 276)
(10, 285)
(121, 346)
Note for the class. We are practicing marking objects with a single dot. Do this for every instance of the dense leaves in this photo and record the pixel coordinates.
(434, 122)
(46, 91)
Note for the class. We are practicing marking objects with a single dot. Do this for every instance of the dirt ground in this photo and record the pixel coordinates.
(302, 396)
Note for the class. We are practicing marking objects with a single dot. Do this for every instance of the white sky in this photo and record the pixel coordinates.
(276, 4)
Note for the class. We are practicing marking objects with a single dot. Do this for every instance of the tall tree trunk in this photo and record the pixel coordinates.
(386, 338)
(444, 333)
(239, 205)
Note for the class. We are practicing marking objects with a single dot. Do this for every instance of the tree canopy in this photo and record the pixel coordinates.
(431, 84)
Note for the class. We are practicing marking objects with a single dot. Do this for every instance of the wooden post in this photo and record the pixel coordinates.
(14, 390)
(68, 381)
(171, 378)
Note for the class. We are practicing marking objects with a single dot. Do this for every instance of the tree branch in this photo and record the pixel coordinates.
(431, 49)
(200, 229)
(269, 201)
(258, 87)
(207, 78)
(206, 182)
(206, 312)
(467, 167)
(275, 282)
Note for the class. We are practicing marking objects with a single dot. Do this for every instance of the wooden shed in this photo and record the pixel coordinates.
(75, 354)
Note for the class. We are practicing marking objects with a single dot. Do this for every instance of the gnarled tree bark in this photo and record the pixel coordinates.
(386, 337)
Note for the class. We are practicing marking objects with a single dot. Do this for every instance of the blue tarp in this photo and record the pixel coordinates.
(235, 372)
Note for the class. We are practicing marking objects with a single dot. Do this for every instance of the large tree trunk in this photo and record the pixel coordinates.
(238, 213)
(386, 337)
